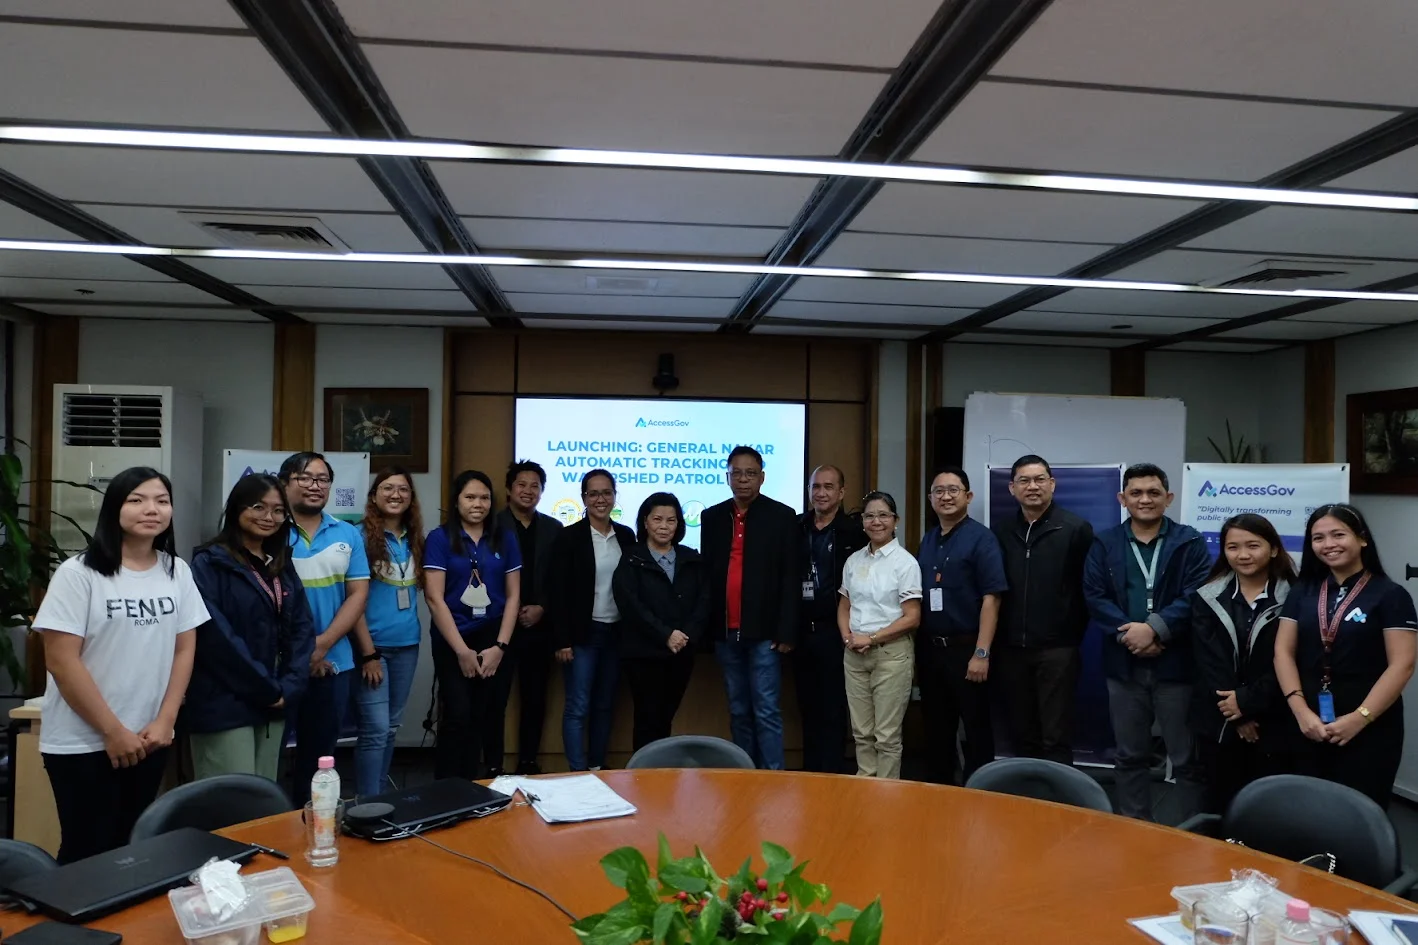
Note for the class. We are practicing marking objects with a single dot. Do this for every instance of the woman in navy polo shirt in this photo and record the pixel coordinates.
(472, 583)
(1343, 653)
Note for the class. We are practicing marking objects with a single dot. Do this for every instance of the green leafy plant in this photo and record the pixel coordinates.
(28, 556)
(1236, 451)
(687, 903)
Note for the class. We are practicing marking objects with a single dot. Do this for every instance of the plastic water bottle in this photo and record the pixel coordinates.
(324, 814)
(1295, 929)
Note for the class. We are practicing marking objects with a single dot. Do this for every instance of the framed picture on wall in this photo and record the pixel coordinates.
(388, 423)
(1382, 431)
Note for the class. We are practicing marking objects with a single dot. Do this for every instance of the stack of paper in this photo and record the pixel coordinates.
(567, 800)
(1377, 927)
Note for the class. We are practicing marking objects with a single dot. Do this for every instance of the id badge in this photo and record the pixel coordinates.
(1326, 707)
(808, 592)
(476, 598)
(479, 611)
(404, 598)
(937, 600)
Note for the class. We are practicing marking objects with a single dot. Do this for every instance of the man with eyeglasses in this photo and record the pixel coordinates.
(1042, 615)
(830, 536)
(963, 575)
(751, 544)
(329, 556)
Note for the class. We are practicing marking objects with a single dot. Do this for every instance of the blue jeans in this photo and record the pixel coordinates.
(317, 728)
(591, 678)
(751, 677)
(380, 710)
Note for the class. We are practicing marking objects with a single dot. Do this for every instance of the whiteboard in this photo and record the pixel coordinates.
(1000, 428)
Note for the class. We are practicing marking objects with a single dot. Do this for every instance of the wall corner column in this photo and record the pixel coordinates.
(293, 413)
(1128, 372)
(1319, 401)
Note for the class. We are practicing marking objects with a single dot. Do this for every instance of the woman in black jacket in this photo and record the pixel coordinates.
(1240, 725)
(662, 589)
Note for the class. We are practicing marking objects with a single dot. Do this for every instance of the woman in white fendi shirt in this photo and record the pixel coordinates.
(879, 610)
(116, 622)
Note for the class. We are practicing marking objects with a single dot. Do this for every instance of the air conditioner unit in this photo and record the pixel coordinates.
(101, 430)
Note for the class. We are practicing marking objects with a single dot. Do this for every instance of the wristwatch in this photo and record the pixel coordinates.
(500, 645)
(369, 657)
(981, 653)
(1364, 712)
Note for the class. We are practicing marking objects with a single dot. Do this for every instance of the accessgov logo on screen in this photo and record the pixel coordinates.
(1209, 491)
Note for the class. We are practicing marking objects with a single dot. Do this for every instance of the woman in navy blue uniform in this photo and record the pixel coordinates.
(1343, 653)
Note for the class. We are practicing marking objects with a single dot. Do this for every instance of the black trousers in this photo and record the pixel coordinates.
(535, 657)
(657, 687)
(949, 699)
(1368, 764)
(1040, 688)
(1231, 764)
(822, 697)
(470, 739)
(97, 803)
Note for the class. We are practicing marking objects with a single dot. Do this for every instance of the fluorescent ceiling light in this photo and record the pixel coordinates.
(656, 265)
(910, 173)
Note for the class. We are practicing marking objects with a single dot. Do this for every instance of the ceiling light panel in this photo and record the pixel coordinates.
(147, 78)
(623, 103)
(1124, 133)
(1355, 52)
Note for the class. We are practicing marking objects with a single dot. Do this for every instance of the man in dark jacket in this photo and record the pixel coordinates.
(829, 537)
(1042, 615)
(532, 643)
(1138, 583)
(751, 544)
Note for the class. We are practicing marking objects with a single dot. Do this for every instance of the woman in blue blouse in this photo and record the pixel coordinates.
(472, 583)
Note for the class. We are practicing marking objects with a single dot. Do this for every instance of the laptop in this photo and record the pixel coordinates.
(427, 807)
(89, 889)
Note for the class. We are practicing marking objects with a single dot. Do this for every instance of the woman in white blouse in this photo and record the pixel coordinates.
(879, 610)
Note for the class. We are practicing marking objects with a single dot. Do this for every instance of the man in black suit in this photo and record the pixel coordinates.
(751, 543)
(536, 532)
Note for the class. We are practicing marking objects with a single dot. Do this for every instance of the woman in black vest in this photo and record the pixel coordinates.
(1344, 652)
(662, 589)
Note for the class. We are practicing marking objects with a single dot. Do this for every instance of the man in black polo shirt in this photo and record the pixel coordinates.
(830, 536)
(962, 573)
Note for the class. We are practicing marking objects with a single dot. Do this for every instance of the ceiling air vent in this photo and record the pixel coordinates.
(256, 231)
(621, 284)
(113, 420)
(1290, 274)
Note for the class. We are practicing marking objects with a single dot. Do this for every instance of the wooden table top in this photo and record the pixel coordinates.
(950, 865)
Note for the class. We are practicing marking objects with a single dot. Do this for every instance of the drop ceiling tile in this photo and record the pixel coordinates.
(897, 292)
(1363, 313)
(297, 296)
(1396, 173)
(622, 239)
(575, 282)
(1042, 341)
(412, 320)
(280, 183)
(15, 224)
(769, 327)
(1330, 232)
(611, 324)
(1285, 329)
(1015, 214)
(131, 77)
(1221, 348)
(216, 13)
(165, 226)
(1093, 321)
(1186, 305)
(1134, 134)
(154, 314)
(1309, 50)
(947, 254)
(1189, 266)
(668, 306)
(592, 102)
(332, 274)
(156, 289)
(33, 265)
(916, 315)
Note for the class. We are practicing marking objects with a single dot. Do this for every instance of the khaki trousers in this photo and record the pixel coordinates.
(878, 692)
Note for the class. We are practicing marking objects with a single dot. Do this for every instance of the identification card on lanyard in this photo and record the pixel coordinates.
(1149, 571)
(1329, 629)
(274, 593)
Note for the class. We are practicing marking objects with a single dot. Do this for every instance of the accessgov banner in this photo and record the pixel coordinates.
(1284, 494)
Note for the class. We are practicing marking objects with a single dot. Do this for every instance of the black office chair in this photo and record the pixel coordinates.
(1316, 822)
(211, 804)
(691, 751)
(1042, 780)
(18, 860)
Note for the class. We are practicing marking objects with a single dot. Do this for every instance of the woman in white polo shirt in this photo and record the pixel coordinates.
(879, 610)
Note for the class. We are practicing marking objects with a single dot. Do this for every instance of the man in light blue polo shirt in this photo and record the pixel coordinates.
(329, 556)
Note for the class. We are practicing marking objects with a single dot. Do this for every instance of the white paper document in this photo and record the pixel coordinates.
(568, 800)
(1167, 929)
(1377, 927)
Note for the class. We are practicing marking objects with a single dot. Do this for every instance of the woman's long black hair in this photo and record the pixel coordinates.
(453, 522)
(105, 551)
(1281, 567)
(1312, 569)
(248, 491)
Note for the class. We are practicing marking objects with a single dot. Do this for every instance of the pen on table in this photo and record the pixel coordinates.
(269, 851)
(530, 796)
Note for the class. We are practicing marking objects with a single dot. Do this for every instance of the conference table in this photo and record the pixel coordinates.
(950, 865)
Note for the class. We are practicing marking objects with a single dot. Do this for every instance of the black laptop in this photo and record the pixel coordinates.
(427, 807)
(89, 889)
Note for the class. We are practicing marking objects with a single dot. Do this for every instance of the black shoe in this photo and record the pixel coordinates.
(528, 767)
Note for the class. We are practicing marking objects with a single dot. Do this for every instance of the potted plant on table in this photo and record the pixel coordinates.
(687, 903)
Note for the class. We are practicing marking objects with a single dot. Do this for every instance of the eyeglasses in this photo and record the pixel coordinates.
(305, 482)
(395, 490)
(945, 490)
(745, 475)
(599, 494)
(878, 517)
(265, 511)
(1032, 480)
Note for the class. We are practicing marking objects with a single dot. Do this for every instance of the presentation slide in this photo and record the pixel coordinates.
(678, 446)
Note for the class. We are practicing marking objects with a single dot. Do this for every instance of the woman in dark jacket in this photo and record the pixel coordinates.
(253, 657)
(662, 589)
(1239, 719)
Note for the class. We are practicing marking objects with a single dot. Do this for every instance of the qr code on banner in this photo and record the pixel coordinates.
(345, 497)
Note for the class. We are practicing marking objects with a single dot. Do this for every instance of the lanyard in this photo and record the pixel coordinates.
(1329, 625)
(404, 567)
(273, 593)
(1149, 571)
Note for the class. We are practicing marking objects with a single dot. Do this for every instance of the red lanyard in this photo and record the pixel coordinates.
(1329, 626)
(274, 594)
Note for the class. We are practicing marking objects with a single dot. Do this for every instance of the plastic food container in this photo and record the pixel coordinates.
(278, 902)
(1188, 896)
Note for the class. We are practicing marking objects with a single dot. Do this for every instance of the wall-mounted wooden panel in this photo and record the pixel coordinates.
(839, 370)
(484, 361)
(1319, 401)
(293, 406)
(483, 436)
(836, 434)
